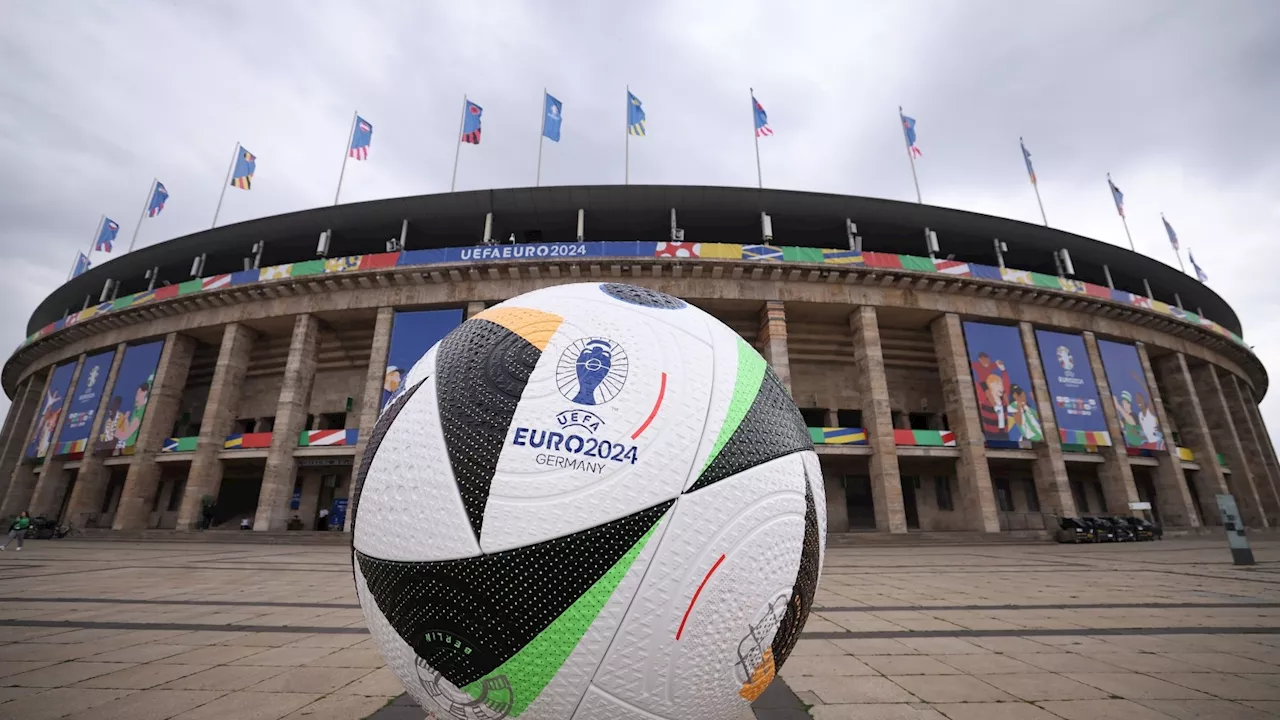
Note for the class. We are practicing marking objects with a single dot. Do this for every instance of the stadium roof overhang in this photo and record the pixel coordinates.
(637, 212)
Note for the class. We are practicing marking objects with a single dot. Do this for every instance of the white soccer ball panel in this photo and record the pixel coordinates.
(726, 367)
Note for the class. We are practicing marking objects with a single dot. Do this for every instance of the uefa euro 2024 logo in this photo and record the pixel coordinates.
(1065, 359)
(592, 371)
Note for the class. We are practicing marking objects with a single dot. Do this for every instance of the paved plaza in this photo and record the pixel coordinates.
(1151, 631)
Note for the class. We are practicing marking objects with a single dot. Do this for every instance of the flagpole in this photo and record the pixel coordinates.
(541, 135)
(97, 233)
(225, 182)
(74, 263)
(911, 158)
(350, 137)
(146, 203)
(1123, 220)
(756, 132)
(458, 139)
(1176, 251)
(627, 128)
(1034, 183)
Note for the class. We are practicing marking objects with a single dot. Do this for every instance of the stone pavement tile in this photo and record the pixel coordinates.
(944, 646)
(815, 647)
(869, 646)
(1133, 686)
(348, 658)
(908, 665)
(1144, 662)
(83, 635)
(58, 702)
(291, 656)
(19, 634)
(1075, 643)
(1101, 710)
(13, 693)
(1142, 643)
(1206, 710)
(1235, 644)
(1013, 645)
(1268, 678)
(141, 677)
(1227, 687)
(950, 688)
(381, 683)
(1268, 655)
(141, 653)
(212, 655)
(836, 691)
(994, 711)
(1044, 686)
(987, 664)
(14, 667)
(208, 637)
(858, 622)
(1270, 706)
(225, 677)
(333, 641)
(878, 711)
(1222, 662)
(1064, 662)
(338, 707)
(314, 680)
(63, 674)
(825, 665)
(265, 639)
(246, 705)
(33, 652)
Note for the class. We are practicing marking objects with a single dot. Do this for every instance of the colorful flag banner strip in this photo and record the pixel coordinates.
(837, 436)
(1087, 438)
(925, 438)
(247, 441)
(179, 444)
(1185, 455)
(336, 438)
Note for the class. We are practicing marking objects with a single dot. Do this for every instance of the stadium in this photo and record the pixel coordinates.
(959, 373)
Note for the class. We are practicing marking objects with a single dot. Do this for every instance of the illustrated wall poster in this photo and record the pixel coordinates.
(84, 403)
(129, 399)
(1070, 379)
(412, 335)
(1002, 383)
(51, 407)
(1132, 397)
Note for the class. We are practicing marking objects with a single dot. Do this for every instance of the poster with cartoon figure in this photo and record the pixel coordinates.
(1002, 382)
(1076, 404)
(129, 398)
(412, 335)
(1131, 396)
(51, 407)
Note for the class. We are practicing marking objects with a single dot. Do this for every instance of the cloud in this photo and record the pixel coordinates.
(1175, 100)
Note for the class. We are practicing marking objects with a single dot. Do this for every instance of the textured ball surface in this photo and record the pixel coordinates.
(590, 501)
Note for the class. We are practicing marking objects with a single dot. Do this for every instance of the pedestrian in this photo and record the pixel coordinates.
(322, 519)
(18, 529)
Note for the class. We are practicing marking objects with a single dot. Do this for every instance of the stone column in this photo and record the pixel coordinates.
(972, 472)
(308, 503)
(1118, 488)
(205, 475)
(877, 415)
(91, 479)
(1264, 439)
(474, 308)
(371, 401)
(1050, 469)
(1180, 394)
(51, 475)
(291, 416)
(1227, 441)
(143, 478)
(16, 427)
(772, 340)
(1263, 473)
(23, 479)
(1173, 498)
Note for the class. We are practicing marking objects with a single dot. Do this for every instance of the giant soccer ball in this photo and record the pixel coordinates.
(590, 501)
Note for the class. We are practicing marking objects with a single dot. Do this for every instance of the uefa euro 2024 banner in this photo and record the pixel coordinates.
(129, 398)
(1070, 379)
(1132, 397)
(1003, 383)
(84, 402)
(412, 335)
(51, 407)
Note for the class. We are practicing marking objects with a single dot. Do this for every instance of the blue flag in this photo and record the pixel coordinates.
(361, 139)
(1117, 196)
(158, 196)
(635, 115)
(1173, 236)
(246, 163)
(1026, 157)
(762, 118)
(1200, 274)
(909, 132)
(471, 113)
(106, 235)
(82, 264)
(551, 117)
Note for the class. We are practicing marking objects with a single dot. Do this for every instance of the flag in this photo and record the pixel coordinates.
(82, 264)
(762, 119)
(106, 235)
(158, 196)
(551, 118)
(1119, 196)
(909, 132)
(635, 115)
(1200, 274)
(471, 123)
(1173, 236)
(361, 137)
(1026, 157)
(242, 176)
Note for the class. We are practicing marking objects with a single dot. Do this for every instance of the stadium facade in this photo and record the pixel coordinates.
(989, 388)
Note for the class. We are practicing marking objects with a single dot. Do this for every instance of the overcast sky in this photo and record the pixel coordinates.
(1178, 100)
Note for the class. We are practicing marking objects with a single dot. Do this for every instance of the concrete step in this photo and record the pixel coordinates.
(297, 537)
(919, 537)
